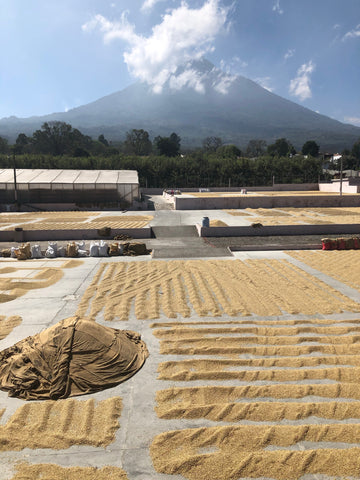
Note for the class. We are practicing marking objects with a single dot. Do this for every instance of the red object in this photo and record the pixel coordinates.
(341, 244)
(326, 244)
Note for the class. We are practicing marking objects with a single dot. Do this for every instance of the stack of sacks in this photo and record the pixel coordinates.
(72, 250)
(23, 252)
(51, 251)
(116, 249)
(134, 249)
(98, 249)
(36, 251)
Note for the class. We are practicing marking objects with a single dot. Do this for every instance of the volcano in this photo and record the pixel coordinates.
(198, 101)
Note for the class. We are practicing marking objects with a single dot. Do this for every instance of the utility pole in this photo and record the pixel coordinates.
(15, 184)
(341, 174)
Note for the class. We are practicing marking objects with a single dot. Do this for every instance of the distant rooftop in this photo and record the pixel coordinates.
(50, 178)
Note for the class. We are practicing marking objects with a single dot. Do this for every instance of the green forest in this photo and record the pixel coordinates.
(161, 163)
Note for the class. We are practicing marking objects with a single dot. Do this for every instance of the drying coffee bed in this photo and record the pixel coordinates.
(264, 193)
(73, 221)
(55, 472)
(17, 279)
(208, 288)
(299, 216)
(253, 369)
(50, 424)
(278, 399)
(7, 324)
(342, 265)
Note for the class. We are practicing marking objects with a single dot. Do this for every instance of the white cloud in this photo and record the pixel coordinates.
(149, 4)
(233, 65)
(289, 53)
(276, 8)
(264, 82)
(184, 34)
(300, 85)
(222, 81)
(188, 78)
(112, 30)
(353, 120)
(352, 33)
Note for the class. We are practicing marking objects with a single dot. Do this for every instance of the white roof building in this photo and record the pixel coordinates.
(68, 186)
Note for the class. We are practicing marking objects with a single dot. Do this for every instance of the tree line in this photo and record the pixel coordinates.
(196, 169)
(60, 138)
(161, 164)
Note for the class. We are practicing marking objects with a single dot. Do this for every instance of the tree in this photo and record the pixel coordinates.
(231, 151)
(59, 138)
(355, 151)
(103, 140)
(211, 144)
(21, 142)
(310, 148)
(281, 148)
(3, 145)
(255, 148)
(137, 142)
(168, 146)
(80, 152)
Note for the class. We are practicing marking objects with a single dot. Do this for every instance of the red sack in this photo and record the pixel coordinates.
(326, 243)
(356, 242)
(341, 244)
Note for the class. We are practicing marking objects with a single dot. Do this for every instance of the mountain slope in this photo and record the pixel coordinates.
(246, 111)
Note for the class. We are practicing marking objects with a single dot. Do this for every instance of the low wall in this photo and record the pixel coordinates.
(288, 187)
(335, 187)
(274, 230)
(248, 201)
(59, 207)
(91, 234)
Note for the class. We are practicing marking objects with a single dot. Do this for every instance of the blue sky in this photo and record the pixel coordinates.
(59, 55)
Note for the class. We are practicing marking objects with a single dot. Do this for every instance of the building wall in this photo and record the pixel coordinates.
(127, 192)
(335, 187)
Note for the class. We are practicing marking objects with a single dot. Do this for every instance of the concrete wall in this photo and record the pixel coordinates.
(289, 187)
(248, 201)
(248, 231)
(56, 207)
(335, 187)
(91, 234)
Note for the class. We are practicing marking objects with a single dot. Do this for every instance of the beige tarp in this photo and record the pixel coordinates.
(74, 357)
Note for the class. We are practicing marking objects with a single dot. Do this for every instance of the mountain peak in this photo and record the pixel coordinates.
(201, 65)
(199, 75)
(199, 100)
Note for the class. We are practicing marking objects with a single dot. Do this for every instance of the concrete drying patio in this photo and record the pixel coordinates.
(139, 423)
(290, 372)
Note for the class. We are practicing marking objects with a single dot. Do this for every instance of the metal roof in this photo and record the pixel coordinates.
(53, 177)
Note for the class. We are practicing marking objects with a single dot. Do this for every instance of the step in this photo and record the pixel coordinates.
(175, 231)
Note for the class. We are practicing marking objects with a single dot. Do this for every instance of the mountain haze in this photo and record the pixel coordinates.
(233, 108)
